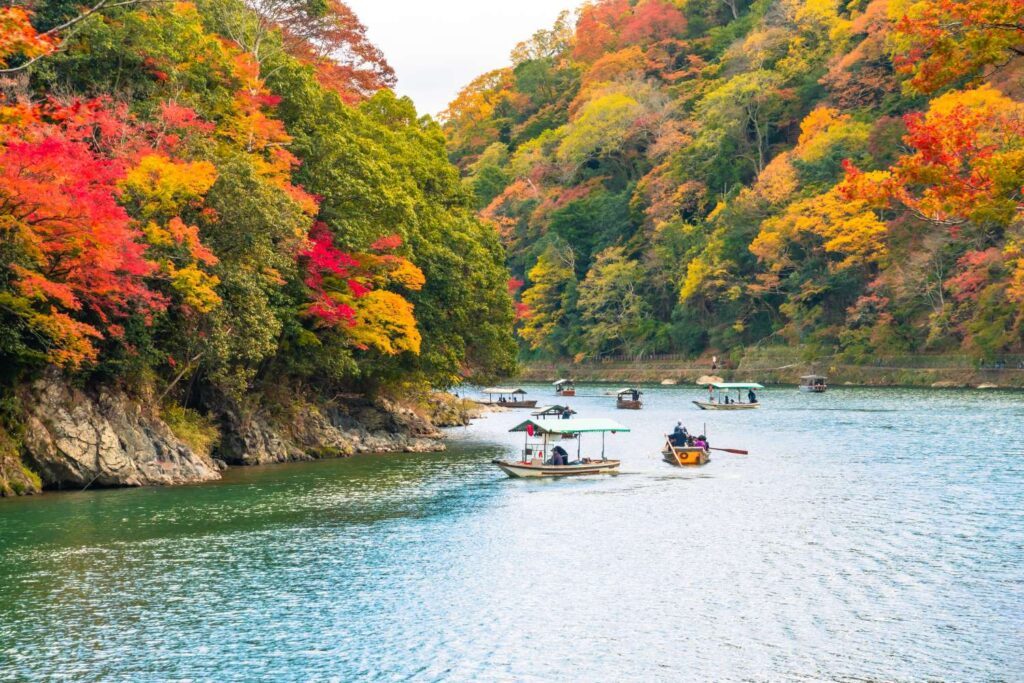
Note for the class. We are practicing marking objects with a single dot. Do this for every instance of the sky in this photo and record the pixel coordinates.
(438, 46)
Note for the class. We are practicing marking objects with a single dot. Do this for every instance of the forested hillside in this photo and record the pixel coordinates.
(691, 175)
(226, 193)
(221, 208)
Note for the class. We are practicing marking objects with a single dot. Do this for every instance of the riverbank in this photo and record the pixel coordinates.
(785, 366)
(68, 437)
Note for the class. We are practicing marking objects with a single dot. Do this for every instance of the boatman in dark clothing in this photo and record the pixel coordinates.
(679, 435)
(751, 396)
(559, 456)
(567, 413)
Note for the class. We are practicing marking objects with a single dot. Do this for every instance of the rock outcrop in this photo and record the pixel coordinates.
(308, 432)
(447, 410)
(74, 439)
(77, 438)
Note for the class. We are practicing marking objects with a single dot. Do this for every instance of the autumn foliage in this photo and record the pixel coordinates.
(164, 227)
(80, 263)
(19, 38)
(940, 42)
(842, 175)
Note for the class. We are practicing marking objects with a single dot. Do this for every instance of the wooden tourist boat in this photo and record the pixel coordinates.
(507, 397)
(720, 399)
(555, 411)
(536, 459)
(628, 399)
(815, 384)
(565, 387)
(685, 455)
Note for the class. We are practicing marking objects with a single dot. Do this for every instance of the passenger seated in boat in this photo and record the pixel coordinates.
(700, 442)
(751, 396)
(559, 456)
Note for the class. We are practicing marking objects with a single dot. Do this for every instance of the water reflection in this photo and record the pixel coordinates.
(871, 534)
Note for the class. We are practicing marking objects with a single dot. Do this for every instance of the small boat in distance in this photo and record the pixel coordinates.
(719, 398)
(815, 384)
(537, 461)
(507, 397)
(628, 399)
(555, 411)
(565, 387)
(685, 455)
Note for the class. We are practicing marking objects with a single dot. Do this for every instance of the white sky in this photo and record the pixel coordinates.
(438, 46)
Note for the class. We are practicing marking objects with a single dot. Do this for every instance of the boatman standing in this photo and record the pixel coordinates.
(679, 435)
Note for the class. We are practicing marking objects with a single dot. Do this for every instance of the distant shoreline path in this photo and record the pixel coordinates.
(921, 371)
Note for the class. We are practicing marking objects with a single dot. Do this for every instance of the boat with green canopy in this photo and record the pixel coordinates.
(537, 460)
(719, 396)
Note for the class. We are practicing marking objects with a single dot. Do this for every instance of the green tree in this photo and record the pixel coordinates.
(550, 296)
(614, 315)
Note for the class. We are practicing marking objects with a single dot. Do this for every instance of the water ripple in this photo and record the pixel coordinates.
(871, 535)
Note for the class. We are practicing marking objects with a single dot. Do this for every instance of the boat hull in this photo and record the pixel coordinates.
(518, 470)
(517, 404)
(566, 392)
(629, 405)
(816, 389)
(704, 405)
(685, 456)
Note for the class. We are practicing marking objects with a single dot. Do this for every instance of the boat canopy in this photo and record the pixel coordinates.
(620, 392)
(503, 391)
(562, 381)
(813, 377)
(737, 385)
(551, 410)
(582, 426)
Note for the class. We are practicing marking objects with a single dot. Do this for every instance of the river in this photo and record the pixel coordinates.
(871, 534)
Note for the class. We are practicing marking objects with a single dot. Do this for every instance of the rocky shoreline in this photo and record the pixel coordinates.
(73, 438)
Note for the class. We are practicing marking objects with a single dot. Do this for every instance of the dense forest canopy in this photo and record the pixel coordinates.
(226, 194)
(691, 175)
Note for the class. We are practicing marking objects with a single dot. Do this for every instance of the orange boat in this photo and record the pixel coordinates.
(685, 455)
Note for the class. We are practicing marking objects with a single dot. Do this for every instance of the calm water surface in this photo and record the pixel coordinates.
(870, 535)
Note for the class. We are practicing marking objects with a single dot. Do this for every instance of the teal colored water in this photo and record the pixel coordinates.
(870, 535)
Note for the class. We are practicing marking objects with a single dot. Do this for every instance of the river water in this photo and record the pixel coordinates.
(871, 534)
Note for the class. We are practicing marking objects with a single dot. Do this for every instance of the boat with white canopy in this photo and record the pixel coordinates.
(507, 397)
(719, 397)
(628, 399)
(565, 387)
(537, 460)
(814, 384)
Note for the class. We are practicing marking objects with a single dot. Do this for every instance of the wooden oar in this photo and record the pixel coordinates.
(737, 451)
